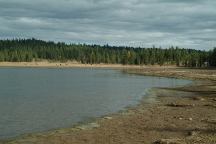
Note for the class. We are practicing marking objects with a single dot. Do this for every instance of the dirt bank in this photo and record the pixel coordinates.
(177, 72)
(184, 115)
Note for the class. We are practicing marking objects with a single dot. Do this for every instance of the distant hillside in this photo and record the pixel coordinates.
(26, 50)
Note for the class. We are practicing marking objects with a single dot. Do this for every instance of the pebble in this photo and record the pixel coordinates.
(199, 98)
(88, 126)
(192, 133)
(108, 118)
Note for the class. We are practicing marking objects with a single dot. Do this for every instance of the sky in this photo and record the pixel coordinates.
(137, 23)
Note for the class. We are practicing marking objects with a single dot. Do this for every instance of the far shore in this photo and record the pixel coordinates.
(76, 64)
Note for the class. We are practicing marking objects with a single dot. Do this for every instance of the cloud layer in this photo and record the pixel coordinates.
(184, 23)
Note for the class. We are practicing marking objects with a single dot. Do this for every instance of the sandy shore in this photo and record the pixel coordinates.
(72, 64)
(183, 115)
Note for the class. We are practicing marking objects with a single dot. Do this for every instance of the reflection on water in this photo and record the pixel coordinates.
(40, 99)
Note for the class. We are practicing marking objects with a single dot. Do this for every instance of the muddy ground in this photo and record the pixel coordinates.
(183, 115)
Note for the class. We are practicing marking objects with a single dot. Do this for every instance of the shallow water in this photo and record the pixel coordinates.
(41, 99)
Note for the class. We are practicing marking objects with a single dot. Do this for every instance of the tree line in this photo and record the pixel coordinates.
(27, 50)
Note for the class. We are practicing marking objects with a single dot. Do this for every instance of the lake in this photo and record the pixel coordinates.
(41, 99)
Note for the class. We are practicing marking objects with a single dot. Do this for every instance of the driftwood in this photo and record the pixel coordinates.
(180, 105)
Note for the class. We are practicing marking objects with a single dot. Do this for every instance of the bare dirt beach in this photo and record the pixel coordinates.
(68, 64)
(58, 64)
(183, 115)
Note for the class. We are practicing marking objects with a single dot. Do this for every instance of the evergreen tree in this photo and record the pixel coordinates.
(19, 50)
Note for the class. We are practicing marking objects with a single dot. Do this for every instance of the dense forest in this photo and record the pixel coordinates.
(26, 50)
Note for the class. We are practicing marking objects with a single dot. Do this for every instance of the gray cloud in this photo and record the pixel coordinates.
(186, 23)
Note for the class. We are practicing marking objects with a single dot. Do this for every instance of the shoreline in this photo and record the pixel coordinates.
(75, 64)
(89, 124)
(128, 126)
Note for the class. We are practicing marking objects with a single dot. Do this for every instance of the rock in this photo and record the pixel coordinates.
(88, 126)
(169, 141)
(173, 105)
(173, 126)
(214, 99)
(108, 118)
(190, 119)
(199, 98)
(192, 133)
(180, 118)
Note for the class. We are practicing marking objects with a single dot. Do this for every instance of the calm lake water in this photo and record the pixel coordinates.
(41, 99)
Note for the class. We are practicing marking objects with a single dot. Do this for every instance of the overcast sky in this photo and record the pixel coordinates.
(184, 23)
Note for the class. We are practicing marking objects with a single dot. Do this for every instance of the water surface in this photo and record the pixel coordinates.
(41, 99)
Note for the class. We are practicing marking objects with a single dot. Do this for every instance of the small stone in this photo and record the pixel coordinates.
(192, 133)
(108, 118)
(88, 126)
(190, 119)
(173, 125)
(180, 118)
(199, 98)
